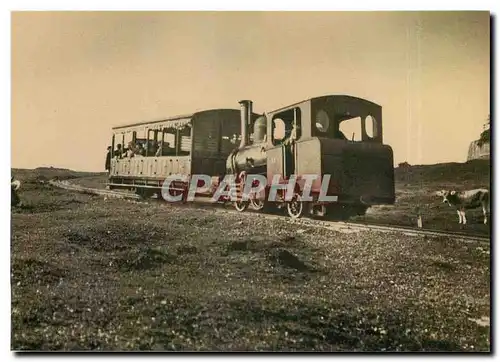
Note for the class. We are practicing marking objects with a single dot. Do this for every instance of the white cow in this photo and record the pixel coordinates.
(463, 200)
(14, 197)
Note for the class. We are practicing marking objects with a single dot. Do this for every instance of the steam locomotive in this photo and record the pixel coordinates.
(336, 137)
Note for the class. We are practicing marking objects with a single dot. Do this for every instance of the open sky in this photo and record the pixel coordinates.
(77, 74)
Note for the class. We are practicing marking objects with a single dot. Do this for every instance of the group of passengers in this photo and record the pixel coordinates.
(134, 149)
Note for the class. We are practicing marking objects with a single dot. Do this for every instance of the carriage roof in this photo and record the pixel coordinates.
(179, 121)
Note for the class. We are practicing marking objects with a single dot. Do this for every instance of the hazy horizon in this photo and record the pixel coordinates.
(77, 74)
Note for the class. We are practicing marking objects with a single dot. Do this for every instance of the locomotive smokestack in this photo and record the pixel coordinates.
(246, 116)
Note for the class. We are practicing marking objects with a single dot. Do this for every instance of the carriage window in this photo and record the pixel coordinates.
(153, 142)
(168, 143)
(185, 141)
(169, 140)
(175, 142)
(350, 129)
(128, 137)
(149, 143)
(118, 140)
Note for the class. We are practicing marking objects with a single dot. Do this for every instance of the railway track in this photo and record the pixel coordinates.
(341, 226)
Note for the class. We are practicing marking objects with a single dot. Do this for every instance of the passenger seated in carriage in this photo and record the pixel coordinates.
(130, 150)
(167, 150)
(153, 148)
(118, 152)
(140, 150)
(158, 150)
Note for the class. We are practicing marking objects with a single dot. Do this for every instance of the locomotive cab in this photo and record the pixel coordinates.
(336, 136)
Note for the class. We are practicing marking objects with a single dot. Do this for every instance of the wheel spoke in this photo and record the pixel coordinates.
(295, 208)
(257, 204)
(241, 205)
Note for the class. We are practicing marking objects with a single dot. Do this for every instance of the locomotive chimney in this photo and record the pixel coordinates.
(246, 116)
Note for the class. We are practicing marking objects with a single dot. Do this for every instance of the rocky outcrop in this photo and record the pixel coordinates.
(478, 151)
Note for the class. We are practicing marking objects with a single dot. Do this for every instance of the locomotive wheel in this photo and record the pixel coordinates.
(241, 205)
(257, 204)
(295, 208)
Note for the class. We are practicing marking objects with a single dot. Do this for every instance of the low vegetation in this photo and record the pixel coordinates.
(415, 193)
(96, 274)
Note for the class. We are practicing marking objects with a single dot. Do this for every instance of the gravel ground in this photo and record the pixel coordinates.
(95, 274)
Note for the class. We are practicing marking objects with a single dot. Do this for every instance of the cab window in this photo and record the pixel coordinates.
(286, 125)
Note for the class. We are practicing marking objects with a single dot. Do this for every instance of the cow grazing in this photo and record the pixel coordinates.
(14, 197)
(463, 200)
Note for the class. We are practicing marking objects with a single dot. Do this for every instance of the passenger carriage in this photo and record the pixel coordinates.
(197, 143)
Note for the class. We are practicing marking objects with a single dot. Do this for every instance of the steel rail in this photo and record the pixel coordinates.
(341, 226)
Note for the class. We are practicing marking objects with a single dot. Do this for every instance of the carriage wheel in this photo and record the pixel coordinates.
(295, 208)
(142, 193)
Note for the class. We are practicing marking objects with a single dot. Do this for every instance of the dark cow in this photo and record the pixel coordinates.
(470, 199)
(14, 197)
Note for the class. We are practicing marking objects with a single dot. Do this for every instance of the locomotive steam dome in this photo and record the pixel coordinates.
(259, 129)
(251, 156)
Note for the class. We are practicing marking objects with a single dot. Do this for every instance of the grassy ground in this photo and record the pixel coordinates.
(415, 190)
(89, 273)
(42, 174)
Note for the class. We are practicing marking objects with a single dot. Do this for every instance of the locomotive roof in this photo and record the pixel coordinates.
(332, 96)
(174, 120)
